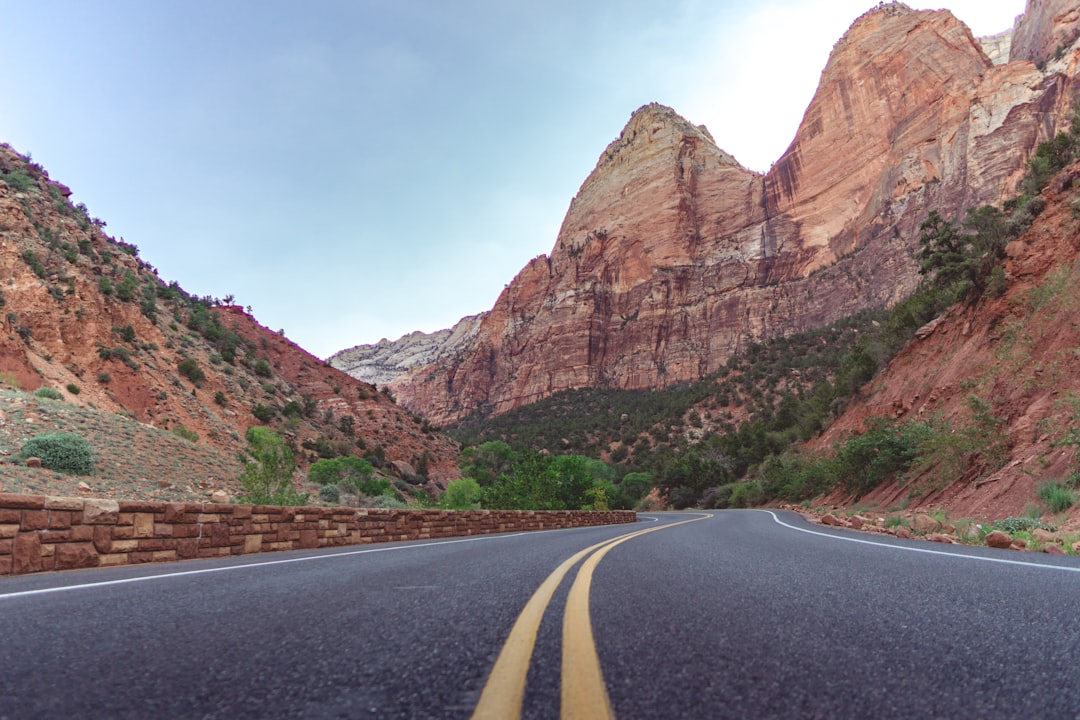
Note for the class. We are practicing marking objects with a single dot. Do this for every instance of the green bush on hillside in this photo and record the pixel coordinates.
(61, 451)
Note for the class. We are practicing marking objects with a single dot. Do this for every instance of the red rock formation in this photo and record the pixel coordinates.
(672, 257)
(1046, 28)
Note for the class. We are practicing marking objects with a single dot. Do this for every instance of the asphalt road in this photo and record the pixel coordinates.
(737, 614)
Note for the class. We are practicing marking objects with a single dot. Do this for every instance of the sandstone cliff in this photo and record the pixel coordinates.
(672, 257)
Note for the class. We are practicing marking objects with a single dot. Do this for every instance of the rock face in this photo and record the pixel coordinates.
(384, 362)
(1046, 30)
(672, 257)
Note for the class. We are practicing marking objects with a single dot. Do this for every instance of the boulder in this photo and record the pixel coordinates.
(999, 539)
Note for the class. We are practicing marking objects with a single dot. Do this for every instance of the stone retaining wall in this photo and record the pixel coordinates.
(39, 533)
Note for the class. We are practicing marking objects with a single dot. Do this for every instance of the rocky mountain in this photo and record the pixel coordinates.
(385, 361)
(672, 257)
(84, 315)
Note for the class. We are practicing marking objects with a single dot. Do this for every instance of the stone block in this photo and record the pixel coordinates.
(10, 516)
(103, 538)
(6, 546)
(241, 512)
(187, 548)
(100, 512)
(219, 534)
(55, 536)
(26, 554)
(309, 539)
(34, 520)
(5, 565)
(59, 519)
(84, 533)
(112, 560)
(47, 549)
(141, 506)
(124, 546)
(69, 556)
(64, 503)
(252, 543)
(22, 502)
(144, 525)
(165, 556)
(163, 530)
(154, 544)
(9, 530)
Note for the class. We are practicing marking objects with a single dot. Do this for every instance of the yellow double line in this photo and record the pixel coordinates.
(584, 694)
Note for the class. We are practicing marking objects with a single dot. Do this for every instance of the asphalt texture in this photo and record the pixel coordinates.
(735, 616)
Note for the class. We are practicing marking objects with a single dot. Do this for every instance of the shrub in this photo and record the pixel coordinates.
(263, 413)
(1057, 496)
(104, 377)
(461, 494)
(267, 478)
(73, 389)
(330, 493)
(61, 451)
(126, 332)
(191, 370)
(262, 367)
(184, 433)
(220, 399)
(48, 392)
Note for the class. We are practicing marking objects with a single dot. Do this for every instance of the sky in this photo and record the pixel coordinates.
(355, 170)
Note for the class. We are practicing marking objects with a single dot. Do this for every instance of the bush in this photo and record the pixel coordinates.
(73, 389)
(48, 392)
(263, 413)
(184, 433)
(61, 451)
(191, 370)
(268, 471)
(262, 367)
(220, 399)
(1057, 496)
(461, 494)
(330, 493)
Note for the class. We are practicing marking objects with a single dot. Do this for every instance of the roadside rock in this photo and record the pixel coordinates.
(903, 532)
(999, 539)
(923, 523)
(1054, 549)
(940, 538)
(831, 520)
(34, 462)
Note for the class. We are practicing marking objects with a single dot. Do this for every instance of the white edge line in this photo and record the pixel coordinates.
(927, 551)
(245, 566)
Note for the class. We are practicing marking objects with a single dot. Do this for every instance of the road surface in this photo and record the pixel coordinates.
(733, 614)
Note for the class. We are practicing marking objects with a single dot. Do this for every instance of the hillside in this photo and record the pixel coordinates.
(84, 315)
(1012, 360)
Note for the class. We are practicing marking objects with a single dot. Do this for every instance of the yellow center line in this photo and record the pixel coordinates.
(502, 696)
(584, 693)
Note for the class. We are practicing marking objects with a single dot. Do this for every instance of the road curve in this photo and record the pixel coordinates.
(729, 614)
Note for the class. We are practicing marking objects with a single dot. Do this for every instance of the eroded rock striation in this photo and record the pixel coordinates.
(673, 257)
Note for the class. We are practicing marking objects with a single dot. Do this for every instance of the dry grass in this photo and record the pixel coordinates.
(132, 461)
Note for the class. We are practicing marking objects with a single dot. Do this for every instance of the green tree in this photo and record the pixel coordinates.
(461, 494)
(268, 470)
